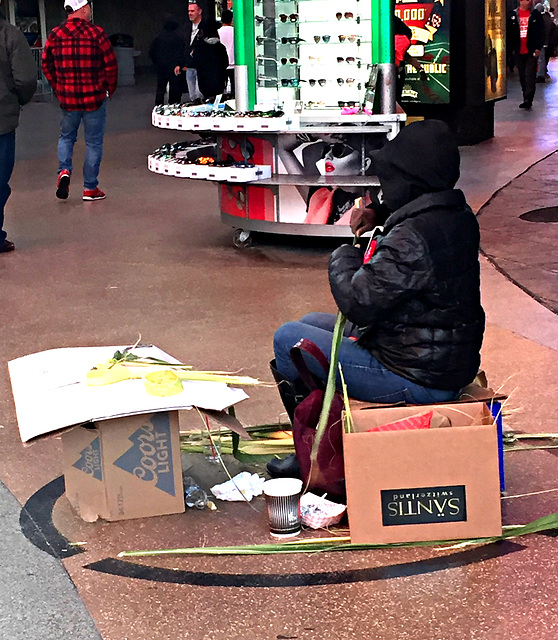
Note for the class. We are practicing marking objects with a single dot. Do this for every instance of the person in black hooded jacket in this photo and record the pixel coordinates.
(167, 52)
(211, 60)
(415, 321)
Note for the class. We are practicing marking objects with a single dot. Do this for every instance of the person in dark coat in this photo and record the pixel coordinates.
(210, 60)
(18, 82)
(166, 53)
(525, 39)
(412, 301)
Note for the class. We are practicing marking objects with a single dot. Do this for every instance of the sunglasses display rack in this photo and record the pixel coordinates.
(313, 54)
(180, 118)
(198, 159)
(299, 161)
(234, 173)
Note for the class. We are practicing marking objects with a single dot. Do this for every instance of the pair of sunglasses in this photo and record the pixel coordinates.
(290, 82)
(349, 38)
(321, 82)
(349, 60)
(289, 60)
(347, 15)
(326, 39)
(285, 40)
(342, 103)
(293, 17)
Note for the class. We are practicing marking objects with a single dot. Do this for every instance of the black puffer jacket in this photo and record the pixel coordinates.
(417, 302)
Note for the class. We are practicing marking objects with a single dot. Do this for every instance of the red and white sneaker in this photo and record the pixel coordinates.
(94, 194)
(63, 185)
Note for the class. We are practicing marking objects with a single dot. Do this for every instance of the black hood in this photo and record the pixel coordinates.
(422, 158)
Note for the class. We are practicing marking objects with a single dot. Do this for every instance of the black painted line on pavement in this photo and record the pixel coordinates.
(208, 579)
(36, 522)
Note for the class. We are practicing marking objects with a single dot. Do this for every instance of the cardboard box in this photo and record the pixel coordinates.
(427, 484)
(124, 468)
(125, 462)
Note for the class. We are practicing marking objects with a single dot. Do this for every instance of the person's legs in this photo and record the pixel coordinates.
(520, 64)
(175, 87)
(543, 63)
(94, 126)
(530, 78)
(162, 81)
(7, 160)
(366, 378)
(327, 321)
(69, 125)
(230, 76)
(192, 82)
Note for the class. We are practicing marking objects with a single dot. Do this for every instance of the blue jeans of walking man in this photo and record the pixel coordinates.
(7, 160)
(192, 84)
(366, 378)
(94, 129)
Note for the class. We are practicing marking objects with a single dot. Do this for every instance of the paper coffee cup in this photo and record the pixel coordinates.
(282, 496)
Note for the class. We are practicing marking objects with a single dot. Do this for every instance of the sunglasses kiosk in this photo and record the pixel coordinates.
(314, 95)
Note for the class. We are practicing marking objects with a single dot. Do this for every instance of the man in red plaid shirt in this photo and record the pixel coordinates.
(80, 65)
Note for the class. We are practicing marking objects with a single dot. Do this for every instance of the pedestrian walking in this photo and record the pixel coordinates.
(166, 53)
(211, 60)
(18, 81)
(226, 35)
(191, 30)
(80, 65)
(548, 49)
(525, 35)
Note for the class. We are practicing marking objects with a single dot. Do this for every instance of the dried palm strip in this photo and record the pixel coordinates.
(315, 545)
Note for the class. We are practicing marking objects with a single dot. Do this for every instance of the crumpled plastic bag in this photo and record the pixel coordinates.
(245, 487)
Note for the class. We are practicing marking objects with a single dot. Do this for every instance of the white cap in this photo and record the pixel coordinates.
(75, 4)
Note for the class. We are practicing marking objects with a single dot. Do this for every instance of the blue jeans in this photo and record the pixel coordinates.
(366, 378)
(7, 160)
(94, 129)
(192, 83)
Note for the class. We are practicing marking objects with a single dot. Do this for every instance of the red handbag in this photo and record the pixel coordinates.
(327, 475)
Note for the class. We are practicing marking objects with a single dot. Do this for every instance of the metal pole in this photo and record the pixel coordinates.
(244, 55)
(383, 52)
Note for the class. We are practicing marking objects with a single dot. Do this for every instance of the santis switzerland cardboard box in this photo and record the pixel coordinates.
(423, 484)
(125, 467)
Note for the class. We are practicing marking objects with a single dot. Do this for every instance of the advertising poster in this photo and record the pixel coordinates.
(322, 196)
(495, 52)
(430, 46)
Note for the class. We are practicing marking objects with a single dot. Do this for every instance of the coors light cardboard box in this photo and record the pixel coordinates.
(124, 468)
(423, 484)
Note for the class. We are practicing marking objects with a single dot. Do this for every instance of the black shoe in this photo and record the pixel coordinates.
(541, 79)
(525, 105)
(286, 468)
(7, 246)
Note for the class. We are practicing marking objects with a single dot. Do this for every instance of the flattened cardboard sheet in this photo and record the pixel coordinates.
(50, 391)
